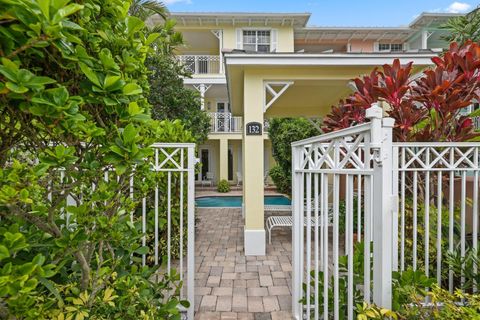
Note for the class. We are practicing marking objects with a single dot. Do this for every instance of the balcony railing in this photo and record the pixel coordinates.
(201, 64)
(225, 122)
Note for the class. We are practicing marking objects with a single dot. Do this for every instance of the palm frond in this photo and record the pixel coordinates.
(144, 9)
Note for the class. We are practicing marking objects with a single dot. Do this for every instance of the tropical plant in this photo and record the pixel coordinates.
(463, 28)
(75, 127)
(223, 186)
(282, 132)
(424, 108)
(144, 9)
(170, 99)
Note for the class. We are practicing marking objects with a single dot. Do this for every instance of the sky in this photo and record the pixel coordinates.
(390, 13)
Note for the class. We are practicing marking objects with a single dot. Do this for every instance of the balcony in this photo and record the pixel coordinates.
(202, 64)
(222, 122)
(225, 123)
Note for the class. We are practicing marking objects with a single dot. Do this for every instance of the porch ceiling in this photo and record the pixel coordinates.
(319, 81)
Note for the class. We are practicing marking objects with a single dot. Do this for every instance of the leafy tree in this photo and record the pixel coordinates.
(171, 100)
(74, 109)
(463, 28)
(282, 132)
(168, 96)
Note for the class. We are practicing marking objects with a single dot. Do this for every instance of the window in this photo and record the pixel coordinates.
(256, 40)
(390, 47)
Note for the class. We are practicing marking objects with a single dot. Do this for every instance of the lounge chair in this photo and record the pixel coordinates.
(287, 221)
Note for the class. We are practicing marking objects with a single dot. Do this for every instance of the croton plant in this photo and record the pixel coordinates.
(426, 107)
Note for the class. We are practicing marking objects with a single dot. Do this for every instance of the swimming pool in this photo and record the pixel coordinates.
(236, 201)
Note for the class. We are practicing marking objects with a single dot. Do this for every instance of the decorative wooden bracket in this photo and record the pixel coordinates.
(273, 91)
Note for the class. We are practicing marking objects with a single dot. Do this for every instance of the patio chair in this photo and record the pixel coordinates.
(208, 181)
(287, 222)
(239, 178)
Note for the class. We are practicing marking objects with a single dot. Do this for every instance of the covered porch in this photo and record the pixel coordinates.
(289, 85)
(221, 158)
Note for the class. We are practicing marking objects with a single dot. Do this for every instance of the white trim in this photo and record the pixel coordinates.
(351, 59)
(254, 242)
(197, 80)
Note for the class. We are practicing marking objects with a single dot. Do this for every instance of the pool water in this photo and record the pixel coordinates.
(236, 201)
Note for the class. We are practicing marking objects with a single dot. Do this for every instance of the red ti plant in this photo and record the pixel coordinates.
(443, 91)
(426, 109)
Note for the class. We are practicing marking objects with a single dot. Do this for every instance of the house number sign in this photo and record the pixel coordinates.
(254, 129)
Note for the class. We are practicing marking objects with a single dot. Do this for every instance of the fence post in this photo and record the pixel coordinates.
(191, 231)
(381, 146)
(297, 239)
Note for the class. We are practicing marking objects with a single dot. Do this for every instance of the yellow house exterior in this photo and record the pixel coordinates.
(250, 67)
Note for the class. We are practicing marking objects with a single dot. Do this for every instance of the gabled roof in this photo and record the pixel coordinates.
(195, 19)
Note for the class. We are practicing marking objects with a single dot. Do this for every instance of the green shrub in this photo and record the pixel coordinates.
(282, 132)
(73, 87)
(223, 186)
(280, 179)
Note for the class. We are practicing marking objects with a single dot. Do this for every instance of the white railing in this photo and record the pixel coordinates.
(417, 203)
(201, 64)
(222, 122)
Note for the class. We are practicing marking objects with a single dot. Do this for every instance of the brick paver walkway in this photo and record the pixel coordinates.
(229, 285)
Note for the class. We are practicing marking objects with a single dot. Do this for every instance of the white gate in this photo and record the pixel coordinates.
(329, 172)
(416, 203)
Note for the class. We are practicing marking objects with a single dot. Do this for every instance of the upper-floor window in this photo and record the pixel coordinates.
(390, 47)
(256, 40)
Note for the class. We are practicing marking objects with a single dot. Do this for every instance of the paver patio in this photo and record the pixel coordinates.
(229, 285)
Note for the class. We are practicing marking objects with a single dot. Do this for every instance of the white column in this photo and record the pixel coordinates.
(381, 146)
(220, 45)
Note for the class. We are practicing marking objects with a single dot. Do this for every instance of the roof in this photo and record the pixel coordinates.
(195, 19)
(428, 18)
(239, 57)
(352, 33)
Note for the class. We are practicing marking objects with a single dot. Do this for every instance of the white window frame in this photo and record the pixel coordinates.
(273, 38)
(390, 47)
(257, 37)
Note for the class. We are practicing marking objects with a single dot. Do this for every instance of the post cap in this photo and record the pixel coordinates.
(374, 112)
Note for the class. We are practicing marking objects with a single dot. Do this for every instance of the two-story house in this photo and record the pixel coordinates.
(249, 67)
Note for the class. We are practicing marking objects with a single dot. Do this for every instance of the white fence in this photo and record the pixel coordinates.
(399, 200)
(171, 203)
(201, 64)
